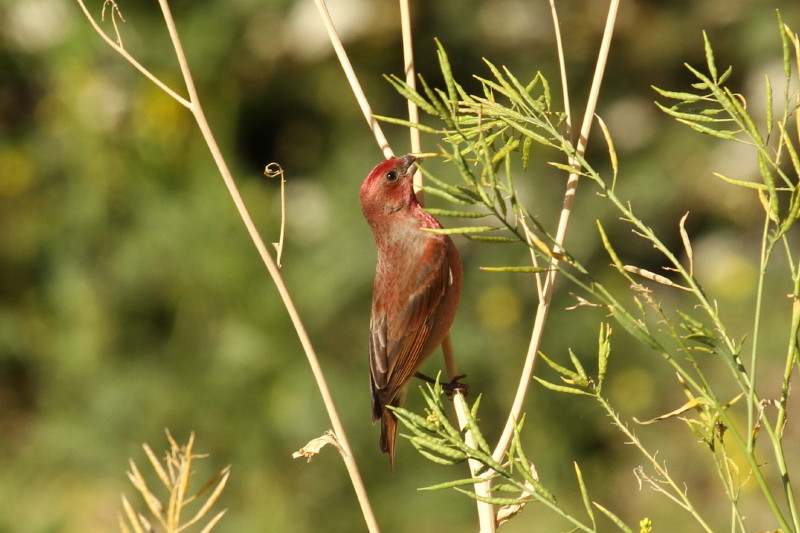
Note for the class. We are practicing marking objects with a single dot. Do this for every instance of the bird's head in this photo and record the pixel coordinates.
(388, 188)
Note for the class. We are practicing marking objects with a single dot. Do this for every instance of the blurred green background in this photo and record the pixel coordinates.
(131, 299)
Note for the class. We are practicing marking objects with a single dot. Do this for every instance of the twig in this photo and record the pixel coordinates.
(358, 92)
(115, 12)
(274, 170)
(129, 58)
(411, 80)
(566, 210)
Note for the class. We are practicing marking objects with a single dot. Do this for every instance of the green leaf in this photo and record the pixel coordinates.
(787, 142)
(736, 106)
(515, 120)
(516, 447)
(546, 91)
(491, 239)
(531, 102)
(456, 483)
(612, 153)
(402, 122)
(560, 388)
(713, 112)
(526, 151)
(769, 181)
(466, 173)
(603, 353)
(461, 230)
(475, 406)
(496, 87)
(523, 466)
(410, 94)
(437, 447)
(769, 102)
(584, 495)
(439, 183)
(728, 135)
(410, 419)
(614, 518)
(455, 214)
(472, 424)
(564, 371)
(712, 66)
(685, 97)
(741, 183)
(612, 253)
(508, 487)
(503, 152)
(527, 269)
(509, 91)
(490, 499)
(447, 72)
(691, 117)
(584, 379)
(441, 110)
(451, 197)
(787, 56)
(725, 75)
(436, 459)
(567, 168)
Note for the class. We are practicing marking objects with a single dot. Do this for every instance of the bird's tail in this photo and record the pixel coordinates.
(388, 434)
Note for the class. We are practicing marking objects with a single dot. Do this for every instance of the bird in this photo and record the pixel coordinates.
(416, 290)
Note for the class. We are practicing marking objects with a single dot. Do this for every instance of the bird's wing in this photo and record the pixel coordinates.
(400, 327)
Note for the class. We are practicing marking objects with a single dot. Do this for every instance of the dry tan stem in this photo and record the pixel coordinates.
(138, 66)
(350, 74)
(274, 170)
(194, 106)
(566, 210)
(486, 517)
(562, 66)
(411, 80)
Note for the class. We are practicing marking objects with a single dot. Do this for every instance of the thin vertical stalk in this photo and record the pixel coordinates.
(486, 517)
(352, 79)
(411, 78)
(550, 278)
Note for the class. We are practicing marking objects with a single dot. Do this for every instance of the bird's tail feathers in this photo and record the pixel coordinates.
(388, 434)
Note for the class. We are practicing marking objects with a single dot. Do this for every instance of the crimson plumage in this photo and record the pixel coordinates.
(416, 290)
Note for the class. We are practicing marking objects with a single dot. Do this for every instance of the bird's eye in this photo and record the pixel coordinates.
(391, 176)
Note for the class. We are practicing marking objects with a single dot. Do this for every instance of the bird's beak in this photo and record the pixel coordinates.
(410, 159)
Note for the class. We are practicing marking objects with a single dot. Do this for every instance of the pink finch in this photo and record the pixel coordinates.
(416, 291)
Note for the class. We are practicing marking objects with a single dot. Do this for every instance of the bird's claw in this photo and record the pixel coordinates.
(450, 388)
(455, 385)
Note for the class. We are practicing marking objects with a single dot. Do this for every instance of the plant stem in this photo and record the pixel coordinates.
(678, 496)
(272, 268)
(550, 277)
(350, 74)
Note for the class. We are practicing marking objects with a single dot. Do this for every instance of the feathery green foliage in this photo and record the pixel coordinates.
(481, 133)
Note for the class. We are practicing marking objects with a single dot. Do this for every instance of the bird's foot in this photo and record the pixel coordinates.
(450, 388)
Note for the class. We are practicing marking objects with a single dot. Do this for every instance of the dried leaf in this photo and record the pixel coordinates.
(687, 244)
(688, 406)
(654, 277)
(315, 445)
